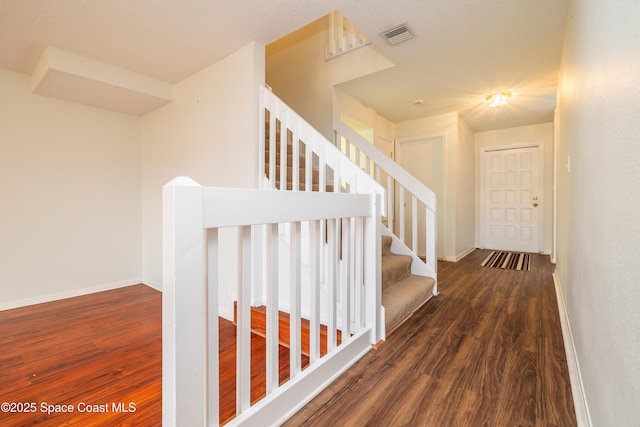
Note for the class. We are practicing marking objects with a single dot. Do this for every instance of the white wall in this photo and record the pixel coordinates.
(206, 133)
(458, 184)
(70, 189)
(598, 212)
(465, 189)
(540, 133)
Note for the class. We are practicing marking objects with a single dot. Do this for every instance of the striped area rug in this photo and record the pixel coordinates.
(508, 261)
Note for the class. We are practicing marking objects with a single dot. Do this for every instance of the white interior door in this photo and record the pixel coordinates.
(512, 199)
(424, 159)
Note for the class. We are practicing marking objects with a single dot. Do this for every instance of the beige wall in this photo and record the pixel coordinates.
(202, 134)
(70, 185)
(598, 212)
(297, 71)
(299, 75)
(345, 105)
(540, 133)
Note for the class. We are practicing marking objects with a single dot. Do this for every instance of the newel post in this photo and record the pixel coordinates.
(184, 379)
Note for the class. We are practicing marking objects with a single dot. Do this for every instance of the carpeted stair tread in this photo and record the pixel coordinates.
(395, 268)
(402, 298)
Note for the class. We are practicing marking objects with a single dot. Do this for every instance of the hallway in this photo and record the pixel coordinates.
(487, 351)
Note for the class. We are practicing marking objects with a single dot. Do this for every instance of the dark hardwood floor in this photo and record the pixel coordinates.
(487, 351)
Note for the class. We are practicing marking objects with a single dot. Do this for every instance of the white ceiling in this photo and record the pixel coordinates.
(463, 50)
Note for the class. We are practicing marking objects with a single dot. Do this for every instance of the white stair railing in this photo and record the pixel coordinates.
(400, 183)
(343, 36)
(291, 140)
(192, 218)
(293, 155)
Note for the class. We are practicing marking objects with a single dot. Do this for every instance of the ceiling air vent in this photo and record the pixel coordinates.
(396, 33)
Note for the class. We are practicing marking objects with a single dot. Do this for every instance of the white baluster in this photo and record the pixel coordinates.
(332, 264)
(273, 349)
(272, 149)
(414, 224)
(308, 164)
(402, 236)
(358, 273)
(243, 337)
(294, 292)
(213, 364)
(295, 153)
(345, 280)
(314, 294)
(390, 199)
(284, 123)
(431, 240)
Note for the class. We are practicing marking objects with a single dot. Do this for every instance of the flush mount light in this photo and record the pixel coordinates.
(418, 102)
(499, 99)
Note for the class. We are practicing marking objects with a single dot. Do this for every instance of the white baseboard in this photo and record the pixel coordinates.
(459, 256)
(152, 284)
(577, 389)
(68, 294)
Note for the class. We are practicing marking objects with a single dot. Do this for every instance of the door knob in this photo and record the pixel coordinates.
(535, 205)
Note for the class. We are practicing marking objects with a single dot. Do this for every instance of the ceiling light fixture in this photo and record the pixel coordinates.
(499, 99)
(418, 102)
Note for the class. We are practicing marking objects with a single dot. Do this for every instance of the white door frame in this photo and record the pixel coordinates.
(541, 196)
(440, 204)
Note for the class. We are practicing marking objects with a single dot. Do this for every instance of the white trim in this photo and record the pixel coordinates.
(554, 233)
(153, 284)
(69, 294)
(541, 202)
(276, 408)
(579, 399)
(461, 255)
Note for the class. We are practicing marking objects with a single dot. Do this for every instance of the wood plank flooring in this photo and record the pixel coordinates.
(488, 351)
(100, 349)
(259, 327)
(103, 351)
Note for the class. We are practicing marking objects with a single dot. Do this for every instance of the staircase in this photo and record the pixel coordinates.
(342, 284)
(403, 291)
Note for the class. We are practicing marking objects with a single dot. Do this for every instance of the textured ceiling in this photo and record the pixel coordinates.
(463, 49)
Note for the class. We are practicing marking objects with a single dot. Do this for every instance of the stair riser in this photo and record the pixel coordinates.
(386, 245)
